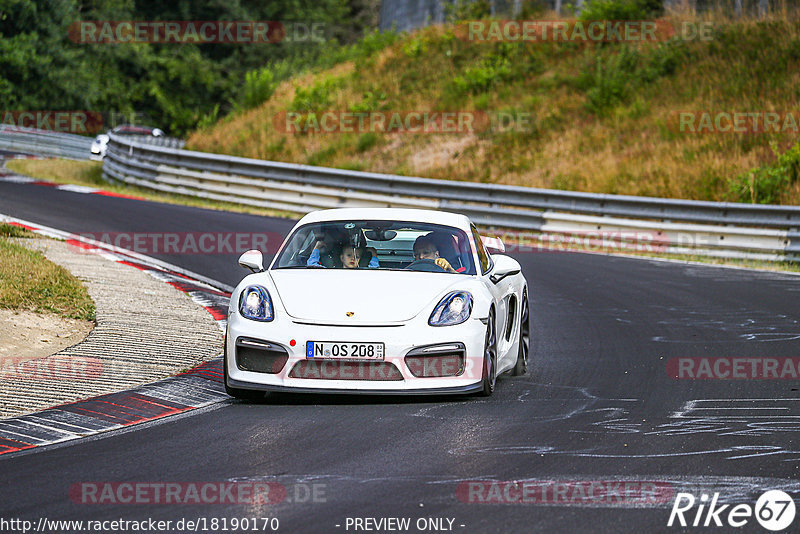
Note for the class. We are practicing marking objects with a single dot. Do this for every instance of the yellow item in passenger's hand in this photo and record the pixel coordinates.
(444, 264)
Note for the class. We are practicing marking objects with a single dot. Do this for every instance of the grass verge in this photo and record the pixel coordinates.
(29, 281)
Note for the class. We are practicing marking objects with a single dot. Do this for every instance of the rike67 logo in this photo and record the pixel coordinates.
(774, 510)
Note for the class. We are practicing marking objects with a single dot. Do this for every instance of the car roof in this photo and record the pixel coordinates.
(388, 214)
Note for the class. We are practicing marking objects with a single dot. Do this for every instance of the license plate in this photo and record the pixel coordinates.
(337, 350)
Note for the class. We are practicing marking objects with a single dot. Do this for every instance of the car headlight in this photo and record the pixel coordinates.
(454, 308)
(255, 304)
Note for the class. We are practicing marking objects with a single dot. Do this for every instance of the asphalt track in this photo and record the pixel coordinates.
(597, 406)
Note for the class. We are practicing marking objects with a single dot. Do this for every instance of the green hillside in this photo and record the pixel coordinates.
(601, 116)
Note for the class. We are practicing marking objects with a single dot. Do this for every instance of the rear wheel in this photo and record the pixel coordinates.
(489, 358)
(243, 394)
(521, 366)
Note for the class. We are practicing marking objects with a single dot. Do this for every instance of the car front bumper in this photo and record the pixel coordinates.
(358, 376)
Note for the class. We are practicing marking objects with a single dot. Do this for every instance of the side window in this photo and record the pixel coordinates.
(483, 256)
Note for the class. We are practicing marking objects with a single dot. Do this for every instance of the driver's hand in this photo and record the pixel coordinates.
(444, 264)
(320, 245)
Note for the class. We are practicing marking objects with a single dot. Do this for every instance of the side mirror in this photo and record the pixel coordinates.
(493, 245)
(253, 260)
(504, 266)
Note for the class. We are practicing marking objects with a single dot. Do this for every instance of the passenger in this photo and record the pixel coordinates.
(425, 249)
(349, 257)
(325, 251)
(373, 259)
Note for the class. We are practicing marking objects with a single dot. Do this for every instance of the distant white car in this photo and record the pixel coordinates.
(378, 300)
(100, 143)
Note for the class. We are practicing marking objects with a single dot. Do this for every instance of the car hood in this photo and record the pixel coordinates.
(326, 296)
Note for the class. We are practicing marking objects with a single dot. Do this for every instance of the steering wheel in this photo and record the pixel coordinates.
(425, 265)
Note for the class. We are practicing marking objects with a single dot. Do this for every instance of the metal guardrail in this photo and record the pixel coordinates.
(711, 228)
(65, 145)
(169, 142)
(590, 221)
(44, 142)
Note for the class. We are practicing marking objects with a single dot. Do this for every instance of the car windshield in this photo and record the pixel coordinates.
(381, 245)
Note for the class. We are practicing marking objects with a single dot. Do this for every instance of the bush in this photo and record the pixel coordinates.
(415, 47)
(315, 98)
(483, 77)
(373, 101)
(766, 184)
(622, 10)
(258, 87)
(366, 141)
(610, 79)
(663, 61)
(531, 9)
(468, 10)
(501, 65)
(209, 119)
(373, 42)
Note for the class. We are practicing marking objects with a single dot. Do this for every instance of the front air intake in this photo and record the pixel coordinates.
(437, 361)
(260, 356)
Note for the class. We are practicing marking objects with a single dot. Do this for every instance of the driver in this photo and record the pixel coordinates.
(425, 249)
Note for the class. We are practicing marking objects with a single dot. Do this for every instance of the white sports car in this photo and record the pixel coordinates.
(378, 300)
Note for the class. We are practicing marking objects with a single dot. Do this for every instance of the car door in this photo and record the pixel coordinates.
(502, 293)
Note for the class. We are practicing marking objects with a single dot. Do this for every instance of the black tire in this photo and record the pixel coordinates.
(489, 358)
(521, 366)
(237, 393)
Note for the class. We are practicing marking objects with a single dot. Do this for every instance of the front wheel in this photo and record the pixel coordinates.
(489, 358)
(521, 366)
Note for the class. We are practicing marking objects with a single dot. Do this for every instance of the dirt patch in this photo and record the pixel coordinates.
(141, 335)
(441, 154)
(25, 335)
